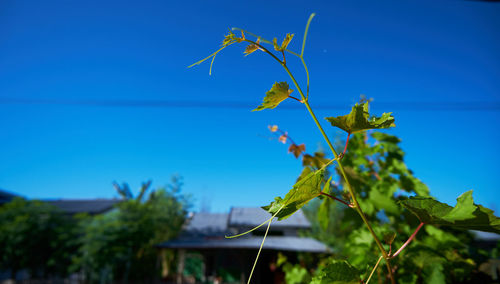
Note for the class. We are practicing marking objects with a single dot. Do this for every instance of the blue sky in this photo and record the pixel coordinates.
(65, 65)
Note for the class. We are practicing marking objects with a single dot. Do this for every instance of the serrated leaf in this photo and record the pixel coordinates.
(302, 192)
(359, 119)
(278, 93)
(337, 272)
(284, 44)
(465, 215)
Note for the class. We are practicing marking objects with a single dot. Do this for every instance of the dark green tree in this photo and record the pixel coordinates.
(35, 236)
(120, 245)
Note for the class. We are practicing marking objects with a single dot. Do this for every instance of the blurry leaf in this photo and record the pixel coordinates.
(297, 150)
(324, 208)
(465, 215)
(359, 119)
(273, 128)
(304, 190)
(410, 183)
(283, 138)
(284, 44)
(317, 161)
(383, 202)
(281, 259)
(384, 137)
(389, 238)
(278, 93)
(337, 272)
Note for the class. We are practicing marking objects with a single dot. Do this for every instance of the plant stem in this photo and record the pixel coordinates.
(374, 268)
(349, 187)
(292, 97)
(408, 241)
(338, 199)
(346, 143)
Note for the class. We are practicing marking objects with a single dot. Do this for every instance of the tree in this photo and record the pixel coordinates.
(119, 245)
(35, 236)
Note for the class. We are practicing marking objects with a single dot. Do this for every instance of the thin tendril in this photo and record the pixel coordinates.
(258, 253)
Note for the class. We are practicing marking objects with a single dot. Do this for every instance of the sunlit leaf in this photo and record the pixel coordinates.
(252, 48)
(337, 272)
(284, 44)
(278, 93)
(297, 150)
(359, 119)
(302, 192)
(465, 215)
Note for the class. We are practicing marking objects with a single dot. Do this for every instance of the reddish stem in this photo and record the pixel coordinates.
(291, 97)
(335, 198)
(409, 240)
(346, 142)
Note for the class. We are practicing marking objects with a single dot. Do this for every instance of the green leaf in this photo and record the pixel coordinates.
(337, 272)
(284, 44)
(278, 93)
(465, 215)
(359, 119)
(302, 192)
(324, 208)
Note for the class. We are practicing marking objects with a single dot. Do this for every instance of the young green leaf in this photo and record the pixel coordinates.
(337, 272)
(252, 48)
(284, 44)
(359, 119)
(302, 192)
(465, 215)
(278, 93)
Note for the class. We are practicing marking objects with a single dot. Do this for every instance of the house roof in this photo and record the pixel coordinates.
(91, 206)
(254, 216)
(208, 231)
(207, 224)
(282, 243)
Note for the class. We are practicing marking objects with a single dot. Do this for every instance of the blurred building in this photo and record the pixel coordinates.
(204, 237)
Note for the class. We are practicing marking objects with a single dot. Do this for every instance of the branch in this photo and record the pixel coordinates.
(408, 241)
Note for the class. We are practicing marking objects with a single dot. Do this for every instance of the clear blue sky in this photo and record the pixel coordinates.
(434, 64)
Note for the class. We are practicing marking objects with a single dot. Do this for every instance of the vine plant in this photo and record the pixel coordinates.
(310, 184)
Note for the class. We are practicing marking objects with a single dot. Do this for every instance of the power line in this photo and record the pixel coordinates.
(399, 105)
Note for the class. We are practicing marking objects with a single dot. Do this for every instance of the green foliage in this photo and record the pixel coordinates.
(304, 190)
(359, 119)
(119, 245)
(370, 180)
(337, 272)
(35, 236)
(294, 273)
(465, 215)
(278, 93)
